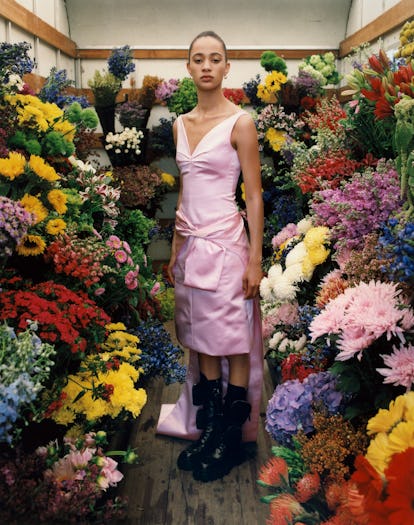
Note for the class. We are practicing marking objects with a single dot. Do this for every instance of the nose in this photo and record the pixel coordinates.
(206, 65)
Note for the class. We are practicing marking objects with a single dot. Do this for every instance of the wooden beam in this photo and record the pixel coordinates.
(181, 54)
(28, 21)
(383, 24)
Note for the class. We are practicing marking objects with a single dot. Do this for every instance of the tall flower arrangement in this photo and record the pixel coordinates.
(358, 316)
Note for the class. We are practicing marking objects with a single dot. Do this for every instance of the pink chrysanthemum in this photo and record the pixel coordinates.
(289, 231)
(401, 367)
(360, 316)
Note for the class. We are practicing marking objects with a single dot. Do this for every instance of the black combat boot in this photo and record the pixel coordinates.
(209, 418)
(229, 451)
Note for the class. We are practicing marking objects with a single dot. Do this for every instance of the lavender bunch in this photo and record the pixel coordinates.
(359, 206)
(14, 223)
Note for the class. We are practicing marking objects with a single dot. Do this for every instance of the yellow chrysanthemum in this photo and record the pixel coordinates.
(276, 138)
(64, 416)
(379, 452)
(308, 267)
(316, 236)
(33, 205)
(118, 339)
(409, 406)
(401, 437)
(168, 179)
(67, 129)
(58, 200)
(318, 255)
(55, 226)
(385, 420)
(12, 166)
(31, 245)
(43, 170)
(112, 327)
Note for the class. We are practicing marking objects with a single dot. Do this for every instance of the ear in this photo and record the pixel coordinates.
(188, 68)
(226, 71)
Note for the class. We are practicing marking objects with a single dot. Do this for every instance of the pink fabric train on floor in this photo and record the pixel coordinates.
(212, 317)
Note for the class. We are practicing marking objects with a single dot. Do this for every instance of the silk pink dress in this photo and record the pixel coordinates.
(211, 315)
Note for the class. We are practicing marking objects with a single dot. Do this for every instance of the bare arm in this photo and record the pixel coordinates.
(245, 140)
(176, 240)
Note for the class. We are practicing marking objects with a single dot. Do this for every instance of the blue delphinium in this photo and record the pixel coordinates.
(291, 407)
(54, 86)
(120, 62)
(25, 364)
(159, 357)
(14, 59)
(397, 240)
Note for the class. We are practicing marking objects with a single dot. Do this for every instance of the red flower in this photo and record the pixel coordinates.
(307, 486)
(367, 479)
(400, 476)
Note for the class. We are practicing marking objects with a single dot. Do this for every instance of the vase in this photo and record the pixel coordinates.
(106, 118)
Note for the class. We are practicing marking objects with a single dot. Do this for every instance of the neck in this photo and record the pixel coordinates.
(211, 101)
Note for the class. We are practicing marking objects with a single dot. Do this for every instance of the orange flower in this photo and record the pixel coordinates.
(274, 473)
(283, 509)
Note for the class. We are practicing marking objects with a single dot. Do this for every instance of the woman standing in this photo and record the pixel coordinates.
(216, 269)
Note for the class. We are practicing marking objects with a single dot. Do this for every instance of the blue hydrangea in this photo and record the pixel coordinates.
(291, 407)
(160, 357)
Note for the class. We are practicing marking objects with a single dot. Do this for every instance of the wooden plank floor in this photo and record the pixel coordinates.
(161, 494)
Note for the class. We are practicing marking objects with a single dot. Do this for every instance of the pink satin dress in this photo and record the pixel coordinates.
(211, 315)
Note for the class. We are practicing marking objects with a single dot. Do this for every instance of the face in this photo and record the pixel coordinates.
(207, 64)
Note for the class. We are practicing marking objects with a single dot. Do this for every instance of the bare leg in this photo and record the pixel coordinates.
(239, 370)
(210, 366)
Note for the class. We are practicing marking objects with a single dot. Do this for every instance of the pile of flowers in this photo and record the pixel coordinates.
(76, 281)
(345, 330)
(321, 67)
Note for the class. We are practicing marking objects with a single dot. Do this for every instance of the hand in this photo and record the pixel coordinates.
(251, 280)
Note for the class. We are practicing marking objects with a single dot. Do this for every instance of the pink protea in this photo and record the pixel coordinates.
(274, 473)
(307, 486)
(401, 367)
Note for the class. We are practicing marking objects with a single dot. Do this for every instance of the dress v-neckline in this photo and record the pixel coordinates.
(205, 134)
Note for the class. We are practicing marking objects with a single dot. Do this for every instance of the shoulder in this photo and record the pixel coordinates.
(245, 123)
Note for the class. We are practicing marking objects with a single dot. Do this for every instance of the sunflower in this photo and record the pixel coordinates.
(33, 205)
(42, 169)
(55, 226)
(58, 200)
(31, 245)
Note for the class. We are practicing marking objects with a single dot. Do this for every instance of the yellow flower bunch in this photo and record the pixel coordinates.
(43, 169)
(167, 178)
(273, 82)
(12, 166)
(31, 245)
(33, 205)
(393, 429)
(58, 200)
(80, 398)
(276, 138)
(44, 116)
(315, 240)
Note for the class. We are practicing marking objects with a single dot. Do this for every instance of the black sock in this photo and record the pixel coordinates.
(235, 393)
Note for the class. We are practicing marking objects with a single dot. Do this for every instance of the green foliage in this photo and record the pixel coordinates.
(85, 117)
(55, 144)
(184, 99)
(105, 88)
(272, 62)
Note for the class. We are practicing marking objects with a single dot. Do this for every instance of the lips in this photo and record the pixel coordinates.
(206, 77)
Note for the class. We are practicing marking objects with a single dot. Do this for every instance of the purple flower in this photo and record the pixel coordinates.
(290, 409)
(14, 224)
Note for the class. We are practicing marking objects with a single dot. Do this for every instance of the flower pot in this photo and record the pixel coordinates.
(106, 118)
